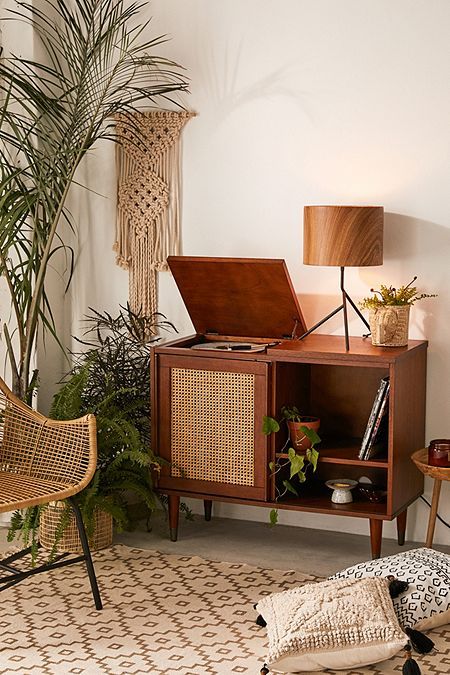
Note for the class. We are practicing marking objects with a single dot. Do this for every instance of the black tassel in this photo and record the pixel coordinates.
(410, 666)
(260, 621)
(264, 670)
(396, 586)
(421, 643)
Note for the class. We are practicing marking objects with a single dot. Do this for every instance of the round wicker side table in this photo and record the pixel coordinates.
(438, 473)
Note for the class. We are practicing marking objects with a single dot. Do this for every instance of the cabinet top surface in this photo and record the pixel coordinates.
(314, 348)
(334, 346)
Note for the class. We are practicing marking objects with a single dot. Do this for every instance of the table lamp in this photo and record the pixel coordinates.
(342, 236)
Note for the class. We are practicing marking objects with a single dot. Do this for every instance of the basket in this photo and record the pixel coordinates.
(389, 325)
(70, 540)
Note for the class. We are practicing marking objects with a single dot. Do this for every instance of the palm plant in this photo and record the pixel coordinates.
(96, 64)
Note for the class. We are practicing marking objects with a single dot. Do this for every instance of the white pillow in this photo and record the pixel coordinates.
(426, 603)
(339, 624)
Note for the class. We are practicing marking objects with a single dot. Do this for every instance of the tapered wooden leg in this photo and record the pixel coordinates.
(207, 503)
(174, 514)
(376, 529)
(401, 527)
(433, 512)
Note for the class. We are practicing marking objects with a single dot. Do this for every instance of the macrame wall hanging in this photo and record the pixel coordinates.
(148, 209)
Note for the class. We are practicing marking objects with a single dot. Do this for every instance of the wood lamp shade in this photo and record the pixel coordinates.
(343, 236)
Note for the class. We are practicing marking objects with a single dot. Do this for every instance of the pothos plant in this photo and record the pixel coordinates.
(390, 296)
(299, 464)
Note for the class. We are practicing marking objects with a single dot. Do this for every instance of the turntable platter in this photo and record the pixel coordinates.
(238, 347)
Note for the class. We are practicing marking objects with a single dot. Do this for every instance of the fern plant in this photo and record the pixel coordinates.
(111, 379)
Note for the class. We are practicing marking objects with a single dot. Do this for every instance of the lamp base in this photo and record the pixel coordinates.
(343, 307)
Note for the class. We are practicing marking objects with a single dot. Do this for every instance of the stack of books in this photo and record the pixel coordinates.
(376, 434)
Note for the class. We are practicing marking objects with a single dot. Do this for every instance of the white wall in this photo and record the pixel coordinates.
(303, 102)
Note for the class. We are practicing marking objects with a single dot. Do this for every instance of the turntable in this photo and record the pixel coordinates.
(228, 346)
(245, 300)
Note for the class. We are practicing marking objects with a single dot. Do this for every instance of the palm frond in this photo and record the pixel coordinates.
(95, 64)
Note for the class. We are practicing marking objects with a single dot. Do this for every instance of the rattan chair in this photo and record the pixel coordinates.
(41, 461)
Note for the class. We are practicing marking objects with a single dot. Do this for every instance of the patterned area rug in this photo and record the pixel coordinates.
(163, 615)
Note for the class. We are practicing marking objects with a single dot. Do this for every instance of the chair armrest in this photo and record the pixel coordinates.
(61, 451)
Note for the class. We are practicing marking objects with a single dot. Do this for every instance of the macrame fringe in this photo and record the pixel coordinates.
(148, 208)
(142, 290)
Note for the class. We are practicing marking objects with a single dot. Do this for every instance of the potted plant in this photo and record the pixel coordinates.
(110, 378)
(389, 310)
(295, 462)
(94, 65)
(297, 424)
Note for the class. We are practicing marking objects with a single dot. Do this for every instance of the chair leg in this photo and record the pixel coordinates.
(87, 554)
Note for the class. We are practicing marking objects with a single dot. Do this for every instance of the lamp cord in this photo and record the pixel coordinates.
(444, 522)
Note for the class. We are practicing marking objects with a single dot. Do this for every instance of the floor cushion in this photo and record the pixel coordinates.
(339, 624)
(426, 603)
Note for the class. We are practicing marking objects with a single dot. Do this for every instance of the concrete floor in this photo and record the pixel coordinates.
(280, 547)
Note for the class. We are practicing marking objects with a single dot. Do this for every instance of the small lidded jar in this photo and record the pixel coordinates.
(439, 452)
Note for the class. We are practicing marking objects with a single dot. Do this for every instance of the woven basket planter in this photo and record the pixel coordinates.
(389, 325)
(70, 541)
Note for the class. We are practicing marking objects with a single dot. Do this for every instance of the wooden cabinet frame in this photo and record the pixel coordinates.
(321, 377)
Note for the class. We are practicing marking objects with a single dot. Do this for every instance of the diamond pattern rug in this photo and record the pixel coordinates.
(163, 615)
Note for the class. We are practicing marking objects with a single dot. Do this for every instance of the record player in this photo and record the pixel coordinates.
(238, 300)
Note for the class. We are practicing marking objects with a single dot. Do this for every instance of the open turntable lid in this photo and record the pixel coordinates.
(243, 297)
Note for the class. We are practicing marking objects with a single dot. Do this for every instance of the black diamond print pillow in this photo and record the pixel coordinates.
(426, 604)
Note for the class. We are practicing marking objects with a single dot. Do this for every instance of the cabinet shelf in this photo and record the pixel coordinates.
(314, 495)
(344, 452)
(323, 504)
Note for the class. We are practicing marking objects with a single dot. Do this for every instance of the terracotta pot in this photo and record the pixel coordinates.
(298, 439)
(389, 325)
